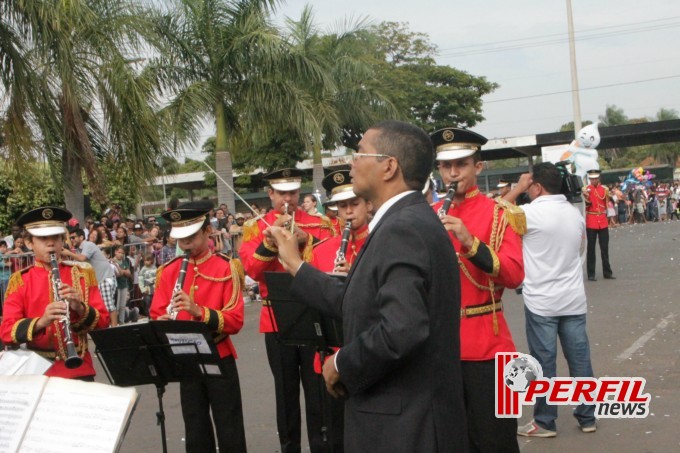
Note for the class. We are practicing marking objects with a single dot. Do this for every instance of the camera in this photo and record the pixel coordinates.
(571, 184)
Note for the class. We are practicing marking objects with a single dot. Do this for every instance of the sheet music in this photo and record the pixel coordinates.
(78, 417)
(22, 363)
(18, 398)
(187, 340)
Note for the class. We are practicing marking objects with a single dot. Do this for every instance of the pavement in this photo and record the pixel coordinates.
(633, 326)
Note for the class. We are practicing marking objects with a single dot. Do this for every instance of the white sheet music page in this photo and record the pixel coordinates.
(79, 417)
(19, 396)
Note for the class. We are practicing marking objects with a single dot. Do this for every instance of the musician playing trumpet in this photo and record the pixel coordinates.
(485, 236)
(34, 314)
(290, 365)
(211, 293)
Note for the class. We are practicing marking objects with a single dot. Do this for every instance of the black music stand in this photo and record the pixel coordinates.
(301, 325)
(157, 352)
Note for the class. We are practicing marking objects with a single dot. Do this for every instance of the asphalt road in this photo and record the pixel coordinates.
(633, 325)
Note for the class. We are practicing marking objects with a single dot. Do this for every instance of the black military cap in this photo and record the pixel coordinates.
(285, 180)
(453, 143)
(188, 218)
(339, 185)
(45, 221)
(593, 174)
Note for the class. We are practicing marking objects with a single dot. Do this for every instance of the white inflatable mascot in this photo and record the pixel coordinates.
(584, 152)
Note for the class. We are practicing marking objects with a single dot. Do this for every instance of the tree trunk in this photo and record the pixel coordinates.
(223, 161)
(73, 186)
(317, 170)
(225, 171)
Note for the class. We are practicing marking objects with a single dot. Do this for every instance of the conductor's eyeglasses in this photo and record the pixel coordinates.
(357, 156)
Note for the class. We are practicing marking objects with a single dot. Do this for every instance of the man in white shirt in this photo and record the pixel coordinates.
(554, 295)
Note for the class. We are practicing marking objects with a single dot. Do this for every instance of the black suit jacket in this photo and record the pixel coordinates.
(400, 307)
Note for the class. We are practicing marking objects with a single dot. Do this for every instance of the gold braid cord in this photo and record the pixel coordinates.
(237, 284)
(498, 227)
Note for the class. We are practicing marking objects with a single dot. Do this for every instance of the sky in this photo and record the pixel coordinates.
(627, 53)
(622, 41)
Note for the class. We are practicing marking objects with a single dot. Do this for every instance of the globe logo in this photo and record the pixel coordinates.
(521, 371)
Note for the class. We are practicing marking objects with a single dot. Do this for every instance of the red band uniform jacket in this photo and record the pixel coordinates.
(29, 292)
(494, 262)
(596, 207)
(215, 283)
(259, 257)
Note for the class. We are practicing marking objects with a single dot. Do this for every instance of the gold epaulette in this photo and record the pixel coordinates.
(326, 223)
(15, 282)
(87, 272)
(515, 215)
(250, 230)
(160, 268)
(81, 264)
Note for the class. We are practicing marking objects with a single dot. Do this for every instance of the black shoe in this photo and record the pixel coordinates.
(592, 279)
(610, 277)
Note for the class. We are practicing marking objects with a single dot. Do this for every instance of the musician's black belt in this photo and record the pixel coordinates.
(481, 309)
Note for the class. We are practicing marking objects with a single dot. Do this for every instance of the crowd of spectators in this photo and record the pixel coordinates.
(640, 204)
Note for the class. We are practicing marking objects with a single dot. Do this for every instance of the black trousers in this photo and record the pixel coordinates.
(289, 366)
(222, 397)
(593, 235)
(486, 432)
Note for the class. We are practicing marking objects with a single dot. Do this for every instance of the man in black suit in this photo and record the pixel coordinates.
(400, 305)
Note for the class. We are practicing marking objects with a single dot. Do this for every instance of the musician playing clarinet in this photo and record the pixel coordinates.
(485, 236)
(211, 293)
(351, 209)
(336, 255)
(34, 315)
(290, 365)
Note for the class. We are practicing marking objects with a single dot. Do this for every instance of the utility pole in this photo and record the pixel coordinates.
(576, 102)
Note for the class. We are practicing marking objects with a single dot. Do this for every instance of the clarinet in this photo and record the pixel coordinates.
(179, 284)
(73, 360)
(448, 199)
(340, 255)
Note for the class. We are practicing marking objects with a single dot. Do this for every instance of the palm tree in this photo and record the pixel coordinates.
(85, 101)
(349, 104)
(224, 62)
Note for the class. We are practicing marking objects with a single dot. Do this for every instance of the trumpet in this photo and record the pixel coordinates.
(179, 284)
(448, 199)
(290, 225)
(72, 360)
(344, 242)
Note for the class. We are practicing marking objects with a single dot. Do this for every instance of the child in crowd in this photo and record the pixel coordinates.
(5, 272)
(147, 280)
(124, 281)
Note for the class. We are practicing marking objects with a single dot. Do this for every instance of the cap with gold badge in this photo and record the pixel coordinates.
(592, 174)
(453, 143)
(339, 185)
(188, 218)
(45, 221)
(285, 180)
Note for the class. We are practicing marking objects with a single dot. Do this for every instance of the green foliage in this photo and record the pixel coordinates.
(570, 126)
(432, 96)
(33, 190)
(280, 150)
(613, 116)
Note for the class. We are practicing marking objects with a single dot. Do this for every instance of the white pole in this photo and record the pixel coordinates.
(576, 102)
